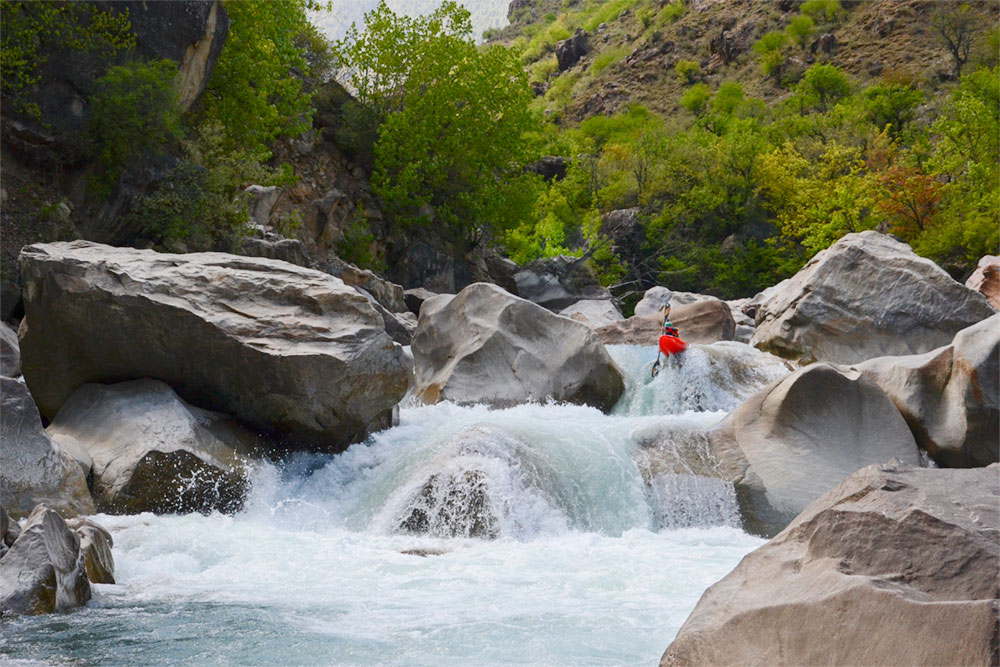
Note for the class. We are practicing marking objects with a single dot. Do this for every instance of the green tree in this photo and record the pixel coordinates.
(452, 143)
(891, 106)
(696, 98)
(823, 85)
(770, 48)
(801, 29)
(256, 89)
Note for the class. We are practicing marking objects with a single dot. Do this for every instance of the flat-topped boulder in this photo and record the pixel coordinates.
(865, 296)
(149, 452)
(485, 345)
(894, 566)
(950, 397)
(278, 346)
(33, 468)
(797, 438)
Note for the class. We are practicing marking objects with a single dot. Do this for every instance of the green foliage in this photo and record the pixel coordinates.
(823, 85)
(800, 29)
(820, 10)
(451, 142)
(891, 106)
(673, 11)
(696, 98)
(254, 93)
(687, 70)
(728, 98)
(32, 30)
(133, 111)
(769, 47)
(358, 243)
(605, 58)
(606, 11)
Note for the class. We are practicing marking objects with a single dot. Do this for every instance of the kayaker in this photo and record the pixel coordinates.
(667, 347)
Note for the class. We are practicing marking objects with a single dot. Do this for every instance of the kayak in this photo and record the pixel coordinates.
(672, 345)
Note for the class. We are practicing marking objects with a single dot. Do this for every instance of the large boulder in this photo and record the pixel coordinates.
(485, 345)
(10, 352)
(95, 545)
(149, 452)
(986, 279)
(703, 321)
(44, 571)
(558, 282)
(570, 50)
(594, 313)
(34, 469)
(950, 396)
(278, 346)
(797, 438)
(866, 296)
(895, 566)
(387, 293)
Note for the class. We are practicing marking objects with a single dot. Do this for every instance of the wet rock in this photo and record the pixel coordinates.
(487, 346)
(569, 51)
(986, 279)
(558, 282)
(453, 505)
(218, 328)
(950, 397)
(593, 313)
(866, 296)
(34, 469)
(44, 570)
(95, 544)
(10, 352)
(149, 452)
(891, 547)
(797, 438)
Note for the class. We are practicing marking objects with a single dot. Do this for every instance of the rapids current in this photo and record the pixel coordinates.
(539, 534)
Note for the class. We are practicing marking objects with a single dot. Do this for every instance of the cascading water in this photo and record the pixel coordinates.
(552, 534)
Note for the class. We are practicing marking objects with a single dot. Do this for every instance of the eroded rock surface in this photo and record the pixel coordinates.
(278, 346)
(986, 279)
(865, 296)
(485, 345)
(895, 566)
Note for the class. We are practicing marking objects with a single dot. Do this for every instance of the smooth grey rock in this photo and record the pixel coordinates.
(34, 469)
(95, 544)
(558, 282)
(702, 321)
(415, 298)
(986, 279)
(278, 346)
(149, 452)
(44, 571)
(895, 566)
(10, 352)
(653, 301)
(950, 397)
(797, 438)
(594, 313)
(260, 200)
(387, 293)
(399, 326)
(485, 345)
(866, 296)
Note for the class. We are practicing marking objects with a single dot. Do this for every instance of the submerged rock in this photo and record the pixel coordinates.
(794, 440)
(44, 571)
(453, 505)
(865, 296)
(488, 346)
(278, 346)
(895, 566)
(149, 452)
(950, 397)
(33, 468)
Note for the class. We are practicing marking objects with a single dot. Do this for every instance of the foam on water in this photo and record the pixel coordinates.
(608, 528)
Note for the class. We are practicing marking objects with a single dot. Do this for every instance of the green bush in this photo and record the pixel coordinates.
(823, 85)
(829, 10)
(133, 111)
(769, 47)
(687, 70)
(673, 10)
(695, 98)
(800, 29)
(605, 58)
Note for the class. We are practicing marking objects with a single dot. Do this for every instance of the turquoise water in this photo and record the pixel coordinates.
(594, 563)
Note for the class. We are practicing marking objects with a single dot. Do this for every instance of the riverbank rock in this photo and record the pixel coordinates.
(387, 293)
(986, 279)
(34, 469)
(558, 282)
(593, 313)
(704, 321)
(149, 452)
(895, 566)
(278, 346)
(44, 571)
(485, 345)
(797, 438)
(95, 545)
(10, 352)
(865, 296)
(950, 397)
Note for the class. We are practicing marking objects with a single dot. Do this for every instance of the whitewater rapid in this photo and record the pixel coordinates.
(605, 531)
